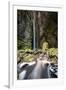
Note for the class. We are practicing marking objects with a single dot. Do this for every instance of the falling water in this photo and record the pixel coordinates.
(22, 75)
(34, 31)
(36, 73)
(49, 76)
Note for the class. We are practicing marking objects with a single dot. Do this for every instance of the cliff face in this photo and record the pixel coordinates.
(36, 27)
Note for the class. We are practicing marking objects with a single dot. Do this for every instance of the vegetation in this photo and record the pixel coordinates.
(33, 54)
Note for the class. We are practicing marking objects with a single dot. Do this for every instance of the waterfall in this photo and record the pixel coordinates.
(36, 73)
(34, 46)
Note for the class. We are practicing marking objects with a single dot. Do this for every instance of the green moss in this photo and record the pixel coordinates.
(53, 51)
(45, 46)
(29, 57)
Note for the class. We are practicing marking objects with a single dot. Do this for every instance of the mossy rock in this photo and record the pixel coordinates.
(45, 46)
(29, 57)
(53, 52)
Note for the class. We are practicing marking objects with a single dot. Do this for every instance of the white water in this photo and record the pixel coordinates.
(21, 64)
(36, 73)
(22, 75)
(48, 70)
(31, 63)
(34, 31)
